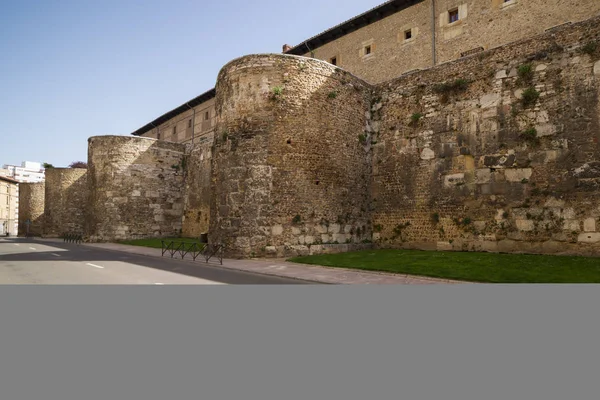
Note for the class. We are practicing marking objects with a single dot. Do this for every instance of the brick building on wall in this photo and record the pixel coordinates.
(394, 38)
(9, 206)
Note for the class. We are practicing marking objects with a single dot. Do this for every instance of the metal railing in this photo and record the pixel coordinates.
(72, 238)
(207, 251)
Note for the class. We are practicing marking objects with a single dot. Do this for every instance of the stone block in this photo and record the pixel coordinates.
(483, 175)
(490, 99)
(444, 246)
(334, 228)
(589, 225)
(339, 237)
(453, 180)
(427, 154)
(321, 229)
(296, 231)
(597, 68)
(277, 230)
(589, 237)
(571, 225)
(525, 225)
(501, 74)
(309, 239)
(517, 174)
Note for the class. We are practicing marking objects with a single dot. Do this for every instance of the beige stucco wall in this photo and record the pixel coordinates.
(391, 54)
(9, 206)
(202, 119)
(482, 23)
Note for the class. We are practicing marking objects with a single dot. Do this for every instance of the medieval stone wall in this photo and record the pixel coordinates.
(31, 207)
(136, 188)
(291, 162)
(498, 152)
(65, 201)
(197, 190)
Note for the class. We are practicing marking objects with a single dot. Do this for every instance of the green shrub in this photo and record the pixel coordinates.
(530, 96)
(525, 72)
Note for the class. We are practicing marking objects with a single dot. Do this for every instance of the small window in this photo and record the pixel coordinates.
(206, 116)
(453, 15)
(158, 136)
(189, 123)
(174, 130)
(408, 34)
(333, 61)
(367, 50)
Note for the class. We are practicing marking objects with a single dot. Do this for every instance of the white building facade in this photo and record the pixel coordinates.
(28, 172)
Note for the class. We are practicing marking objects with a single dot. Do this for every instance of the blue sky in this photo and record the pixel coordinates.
(74, 69)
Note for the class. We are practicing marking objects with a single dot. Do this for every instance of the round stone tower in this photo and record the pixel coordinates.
(136, 188)
(290, 163)
(65, 201)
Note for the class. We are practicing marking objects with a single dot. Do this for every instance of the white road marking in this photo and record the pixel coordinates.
(32, 248)
(158, 283)
(94, 265)
(55, 255)
(16, 244)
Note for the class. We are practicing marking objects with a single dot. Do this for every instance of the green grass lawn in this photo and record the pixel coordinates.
(473, 267)
(156, 242)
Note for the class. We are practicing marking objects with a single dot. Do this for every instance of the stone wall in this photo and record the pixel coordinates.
(31, 207)
(499, 151)
(197, 191)
(136, 188)
(291, 156)
(65, 201)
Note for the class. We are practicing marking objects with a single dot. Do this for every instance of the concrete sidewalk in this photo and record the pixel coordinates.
(280, 267)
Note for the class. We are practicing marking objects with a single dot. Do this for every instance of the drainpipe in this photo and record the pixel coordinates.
(151, 123)
(433, 55)
(193, 122)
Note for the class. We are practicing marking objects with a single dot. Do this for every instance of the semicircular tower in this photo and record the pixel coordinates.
(291, 161)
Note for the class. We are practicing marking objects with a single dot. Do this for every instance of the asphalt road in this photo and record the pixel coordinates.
(29, 262)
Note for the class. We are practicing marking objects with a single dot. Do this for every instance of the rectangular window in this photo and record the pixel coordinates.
(190, 123)
(174, 130)
(367, 50)
(158, 136)
(408, 34)
(453, 15)
(206, 116)
(333, 61)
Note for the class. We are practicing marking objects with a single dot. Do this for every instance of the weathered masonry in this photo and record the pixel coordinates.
(392, 39)
(495, 151)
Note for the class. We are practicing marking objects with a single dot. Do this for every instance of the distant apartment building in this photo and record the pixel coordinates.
(9, 206)
(28, 172)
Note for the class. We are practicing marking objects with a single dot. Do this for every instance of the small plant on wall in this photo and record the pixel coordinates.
(277, 93)
(530, 136)
(296, 220)
(415, 118)
(399, 230)
(589, 48)
(525, 73)
(530, 97)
